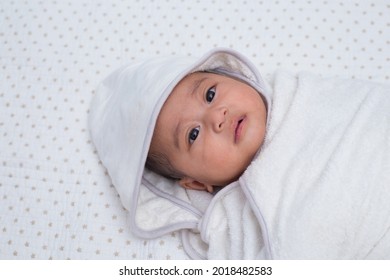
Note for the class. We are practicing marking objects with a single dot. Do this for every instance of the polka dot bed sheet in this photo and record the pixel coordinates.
(56, 199)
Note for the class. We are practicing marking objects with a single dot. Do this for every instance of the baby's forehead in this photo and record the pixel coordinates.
(195, 82)
(196, 75)
(196, 78)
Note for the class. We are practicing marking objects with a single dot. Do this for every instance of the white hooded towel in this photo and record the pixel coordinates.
(318, 189)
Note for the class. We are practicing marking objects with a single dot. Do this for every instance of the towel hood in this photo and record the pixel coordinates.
(122, 118)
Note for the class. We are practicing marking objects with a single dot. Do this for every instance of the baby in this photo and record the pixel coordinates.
(208, 131)
(200, 121)
(319, 189)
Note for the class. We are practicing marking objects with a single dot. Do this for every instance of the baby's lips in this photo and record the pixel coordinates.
(238, 129)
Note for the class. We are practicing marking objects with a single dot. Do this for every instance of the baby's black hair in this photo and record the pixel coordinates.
(160, 164)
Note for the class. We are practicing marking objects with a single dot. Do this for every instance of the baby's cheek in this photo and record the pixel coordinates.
(226, 164)
(218, 158)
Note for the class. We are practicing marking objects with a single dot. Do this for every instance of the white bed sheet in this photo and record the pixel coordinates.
(56, 201)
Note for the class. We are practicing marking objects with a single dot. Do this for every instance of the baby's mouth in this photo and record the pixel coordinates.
(238, 130)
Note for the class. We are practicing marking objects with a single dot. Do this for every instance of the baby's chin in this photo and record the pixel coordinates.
(230, 180)
(241, 171)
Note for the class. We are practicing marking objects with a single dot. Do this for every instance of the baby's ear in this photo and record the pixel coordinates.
(191, 184)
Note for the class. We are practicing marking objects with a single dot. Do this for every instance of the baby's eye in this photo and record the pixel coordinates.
(193, 135)
(210, 94)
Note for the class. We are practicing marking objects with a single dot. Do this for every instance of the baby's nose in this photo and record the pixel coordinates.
(218, 118)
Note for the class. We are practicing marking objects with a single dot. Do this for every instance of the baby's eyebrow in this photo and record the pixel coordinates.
(176, 135)
(196, 85)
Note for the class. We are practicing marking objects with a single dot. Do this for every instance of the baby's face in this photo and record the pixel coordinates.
(211, 127)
